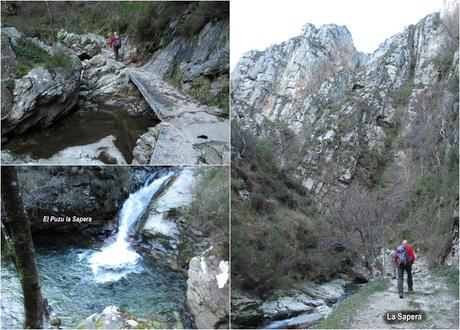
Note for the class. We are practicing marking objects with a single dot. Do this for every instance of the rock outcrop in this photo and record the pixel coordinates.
(84, 46)
(188, 59)
(189, 132)
(39, 98)
(208, 292)
(104, 80)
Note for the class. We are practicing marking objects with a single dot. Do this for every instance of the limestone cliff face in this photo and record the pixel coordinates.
(346, 106)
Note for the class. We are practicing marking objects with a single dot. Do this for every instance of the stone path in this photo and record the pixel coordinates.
(189, 132)
(430, 295)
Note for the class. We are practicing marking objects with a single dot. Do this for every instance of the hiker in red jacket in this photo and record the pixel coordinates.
(404, 257)
(115, 43)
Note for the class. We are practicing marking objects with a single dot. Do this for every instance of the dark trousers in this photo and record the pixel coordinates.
(401, 268)
(115, 51)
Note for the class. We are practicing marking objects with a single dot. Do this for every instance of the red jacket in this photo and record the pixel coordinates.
(409, 252)
(112, 41)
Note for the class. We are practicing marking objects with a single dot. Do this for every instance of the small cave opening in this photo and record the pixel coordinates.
(357, 86)
(204, 137)
(84, 56)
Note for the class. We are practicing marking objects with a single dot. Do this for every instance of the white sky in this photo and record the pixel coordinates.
(257, 24)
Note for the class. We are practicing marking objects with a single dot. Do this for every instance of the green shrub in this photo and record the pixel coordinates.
(443, 61)
(59, 60)
(450, 275)
(30, 55)
(402, 96)
(21, 70)
(9, 84)
(201, 13)
(28, 52)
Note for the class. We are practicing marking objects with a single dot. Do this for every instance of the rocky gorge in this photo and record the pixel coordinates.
(176, 278)
(355, 140)
(142, 118)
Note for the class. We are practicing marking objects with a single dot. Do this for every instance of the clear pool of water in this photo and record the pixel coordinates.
(154, 292)
(81, 128)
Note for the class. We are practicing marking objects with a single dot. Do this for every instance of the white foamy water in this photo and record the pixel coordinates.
(118, 259)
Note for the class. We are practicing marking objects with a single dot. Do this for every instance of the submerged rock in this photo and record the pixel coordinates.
(112, 317)
(102, 152)
(208, 292)
(55, 322)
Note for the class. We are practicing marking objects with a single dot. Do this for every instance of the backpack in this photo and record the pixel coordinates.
(402, 256)
(117, 42)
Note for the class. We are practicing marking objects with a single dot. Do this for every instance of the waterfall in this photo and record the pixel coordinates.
(118, 259)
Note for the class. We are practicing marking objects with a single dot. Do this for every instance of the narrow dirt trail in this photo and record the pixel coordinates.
(430, 295)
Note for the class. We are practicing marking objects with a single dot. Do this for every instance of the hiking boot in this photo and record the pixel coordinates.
(410, 290)
(401, 295)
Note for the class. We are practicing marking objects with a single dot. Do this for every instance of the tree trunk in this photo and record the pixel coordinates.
(19, 227)
(51, 19)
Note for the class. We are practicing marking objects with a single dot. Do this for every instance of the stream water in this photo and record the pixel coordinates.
(79, 281)
(84, 127)
(349, 289)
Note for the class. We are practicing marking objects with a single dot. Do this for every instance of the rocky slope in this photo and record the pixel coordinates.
(341, 103)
